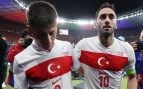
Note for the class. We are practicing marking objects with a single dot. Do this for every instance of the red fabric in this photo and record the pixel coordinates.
(50, 69)
(13, 51)
(103, 61)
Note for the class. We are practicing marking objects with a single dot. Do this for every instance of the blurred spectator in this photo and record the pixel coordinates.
(135, 43)
(3, 49)
(24, 41)
(15, 49)
(5, 60)
(3, 37)
(139, 59)
(141, 36)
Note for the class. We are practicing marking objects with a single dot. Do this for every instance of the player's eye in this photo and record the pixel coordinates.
(103, 16)
(111, 16)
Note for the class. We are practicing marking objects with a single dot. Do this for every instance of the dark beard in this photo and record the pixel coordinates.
(106, 34)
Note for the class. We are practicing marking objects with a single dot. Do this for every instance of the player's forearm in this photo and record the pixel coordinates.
(132, 83)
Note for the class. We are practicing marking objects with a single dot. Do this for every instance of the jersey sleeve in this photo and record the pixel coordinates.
(75, 63)
(20, 81)
(77, 52)
(130, 68)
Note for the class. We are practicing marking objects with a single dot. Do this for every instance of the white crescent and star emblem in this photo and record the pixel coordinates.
(100, 63)
(53, 65)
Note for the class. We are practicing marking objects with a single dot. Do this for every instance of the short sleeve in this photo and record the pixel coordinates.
(130, 67)
(77, 52)
(20, 81)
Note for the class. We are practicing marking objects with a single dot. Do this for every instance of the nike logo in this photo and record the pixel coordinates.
(54, 82)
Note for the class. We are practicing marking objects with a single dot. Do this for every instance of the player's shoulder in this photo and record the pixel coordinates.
(62, 43)
(63, 46)
(125, 44)
(23, 54)
(88, 40)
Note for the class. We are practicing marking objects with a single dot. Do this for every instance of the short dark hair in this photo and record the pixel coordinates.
(41, 14)
(105, 5)
(24, 33)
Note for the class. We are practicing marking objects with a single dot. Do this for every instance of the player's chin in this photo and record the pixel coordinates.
(107, 33)
(50, 46)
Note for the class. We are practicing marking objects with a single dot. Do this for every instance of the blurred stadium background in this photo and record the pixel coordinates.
(73, 28)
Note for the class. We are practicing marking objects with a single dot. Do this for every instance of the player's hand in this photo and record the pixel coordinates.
(80, 71)
(134, 45)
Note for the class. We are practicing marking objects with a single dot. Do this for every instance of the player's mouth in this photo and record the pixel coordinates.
(106, 28)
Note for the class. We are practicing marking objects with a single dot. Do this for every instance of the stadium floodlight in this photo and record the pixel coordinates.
(21, 4)
(131, 14)
(82, 22)
(61, 20)
(91, 22)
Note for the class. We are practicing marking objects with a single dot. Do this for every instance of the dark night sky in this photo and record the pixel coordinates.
(76, 9)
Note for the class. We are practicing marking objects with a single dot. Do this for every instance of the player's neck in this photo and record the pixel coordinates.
(44, 46)
(106, 41)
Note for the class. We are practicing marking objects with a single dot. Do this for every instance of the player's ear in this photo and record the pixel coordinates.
(95, 24)
(116, 25)
(141, 36)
